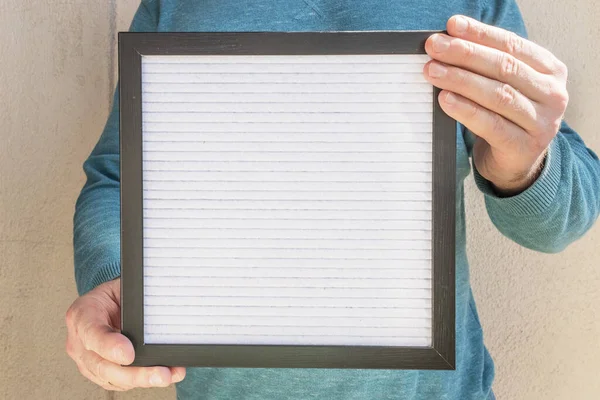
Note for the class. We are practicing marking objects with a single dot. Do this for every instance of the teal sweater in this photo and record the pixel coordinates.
(556, 210)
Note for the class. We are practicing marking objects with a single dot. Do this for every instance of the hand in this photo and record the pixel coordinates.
(99, 350)
(508, 91)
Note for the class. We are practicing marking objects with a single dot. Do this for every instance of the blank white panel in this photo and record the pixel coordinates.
(287, 200)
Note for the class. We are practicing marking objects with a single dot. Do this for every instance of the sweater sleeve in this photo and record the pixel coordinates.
(564, 202)
(96, 223)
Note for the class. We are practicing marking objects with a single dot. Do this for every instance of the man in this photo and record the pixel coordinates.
(509, 96)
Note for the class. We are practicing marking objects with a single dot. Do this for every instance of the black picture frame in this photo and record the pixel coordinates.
(132, 47)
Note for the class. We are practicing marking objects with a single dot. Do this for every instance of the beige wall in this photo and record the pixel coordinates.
(56, 80)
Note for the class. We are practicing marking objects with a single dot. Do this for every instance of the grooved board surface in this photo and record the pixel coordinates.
(287, 200)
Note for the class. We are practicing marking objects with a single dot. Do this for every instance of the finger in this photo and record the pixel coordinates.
(493, 95)
(499, 132)
(491, 63)
(177, 374)
(81, 358)
(98, 336)
(104, 385)
(125, 377)
(530, 53)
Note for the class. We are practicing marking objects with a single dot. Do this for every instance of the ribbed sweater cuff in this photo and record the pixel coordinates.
(536, 198)
(106, 273)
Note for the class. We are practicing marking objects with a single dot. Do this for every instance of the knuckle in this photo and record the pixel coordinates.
(546, 127)
(468, 50)
(539, 144)
(505, 95)
(560, 97)
(561, 68)
(458, 76)
(472, 112)
(539, 130)
(554, 126)
(69, 348)
(498, 124)
(481, 32)
(509, 67)
(513, 43)
(70, 315)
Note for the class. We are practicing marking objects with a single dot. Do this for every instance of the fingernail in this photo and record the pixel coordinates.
(155, 379)
(437, 70)
(177, 378)
(460, 25)
(440, 43)
(450, 98)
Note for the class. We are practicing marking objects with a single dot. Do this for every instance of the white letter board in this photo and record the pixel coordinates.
(287, 201)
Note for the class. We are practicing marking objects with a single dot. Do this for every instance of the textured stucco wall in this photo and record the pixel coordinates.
(57, 72)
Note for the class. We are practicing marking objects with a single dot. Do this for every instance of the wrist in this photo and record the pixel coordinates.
(516, 186)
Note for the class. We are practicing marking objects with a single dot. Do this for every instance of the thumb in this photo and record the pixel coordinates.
(97, 321)
(106, 341)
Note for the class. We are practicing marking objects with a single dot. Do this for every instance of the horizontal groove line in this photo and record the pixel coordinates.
(282, 248)
(288, 83)
(292, 297)
(286, 171)
(295, 191)
(293, 219)
(279, 306)
(286, 122)
(289, 171)
(284, 151)
(324, 181)
(298, 200)
(278, 335)
(288, 112)
(279, 73)
(278, 200)
(155, 79)
(303, 135)
(259, 238)
(287, 326)
(291, 229)
(200, 141)
(279, 277)
(428, 269)
(184, 159)
(278, 316)
(281, 181)
(288, 93)
(280, 238)
(282, 141)
(296, 268)
(393, 82)
(287, 258)
(283, 102)
(318, 162)
(268, 60)
(272, 209)
(277, 287)
(290, 132)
